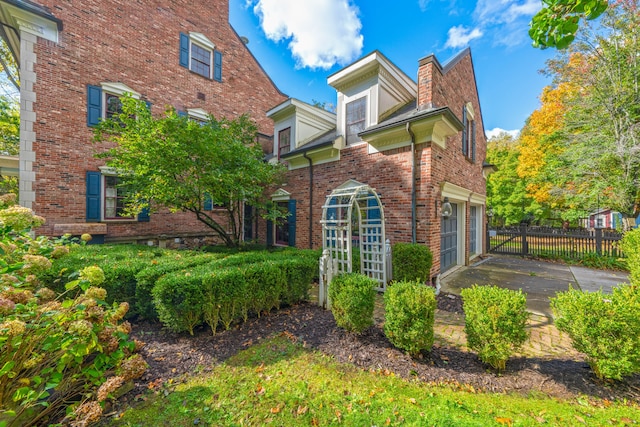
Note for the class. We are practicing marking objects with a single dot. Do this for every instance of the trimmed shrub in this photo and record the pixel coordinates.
(299, 272)
(180, 299)
(120, 264)
(631, 248)
(265, 281)
(495, 321)
(604, 327)
(409, 315)
(352, 298)
(147, 277)
(227, 295)
(411, 262)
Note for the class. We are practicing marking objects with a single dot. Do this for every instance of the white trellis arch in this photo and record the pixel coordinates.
(355, 205)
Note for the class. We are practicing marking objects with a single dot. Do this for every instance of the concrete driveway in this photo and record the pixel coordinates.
(538, 279)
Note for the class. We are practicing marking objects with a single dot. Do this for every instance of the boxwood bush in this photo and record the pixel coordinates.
(411, 262)
(409, 315)
(179, 299)
(604, 327)
(120, 264)
(147, 277)
(352, 298)
(495, 321)
(631, 248)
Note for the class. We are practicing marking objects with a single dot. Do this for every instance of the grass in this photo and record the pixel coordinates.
(280, 383)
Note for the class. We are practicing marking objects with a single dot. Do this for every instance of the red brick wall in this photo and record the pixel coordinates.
(135, 43)
(389, 172)
(456, 88)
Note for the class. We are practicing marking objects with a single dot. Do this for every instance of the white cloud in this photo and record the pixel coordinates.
(504, 11)
(321, 33)
(504, 21)
(423, 4)
(460, 36)
(497, 131)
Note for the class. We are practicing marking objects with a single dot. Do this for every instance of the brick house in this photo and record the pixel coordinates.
(421, 146)
(76, 57)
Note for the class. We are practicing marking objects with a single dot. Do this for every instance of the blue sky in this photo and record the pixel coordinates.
(301, 42)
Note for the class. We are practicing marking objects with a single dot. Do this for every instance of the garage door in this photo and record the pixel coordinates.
(449, 240)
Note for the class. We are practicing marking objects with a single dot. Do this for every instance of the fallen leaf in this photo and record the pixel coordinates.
(579, 418)
(504, 421)
(275, 410)
(302, 410)
(412, 400)
(259, 390)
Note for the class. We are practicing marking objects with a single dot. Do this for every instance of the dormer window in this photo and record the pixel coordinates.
(284, 141)
(355, 119)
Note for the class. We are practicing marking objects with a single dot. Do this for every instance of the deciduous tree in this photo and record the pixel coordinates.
(556, 24)
(181, 164)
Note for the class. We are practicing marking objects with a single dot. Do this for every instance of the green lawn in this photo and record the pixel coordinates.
(280, 383)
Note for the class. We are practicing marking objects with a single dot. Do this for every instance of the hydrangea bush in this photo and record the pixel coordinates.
(61, 358)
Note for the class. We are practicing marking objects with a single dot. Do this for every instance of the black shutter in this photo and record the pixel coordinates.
(93, 196)
(269, 233)
(473, 140)
(217, 65)
(184, 50)
(208, 202)
(144, 216)
(292, 222)
(94, 105)
(464, 131)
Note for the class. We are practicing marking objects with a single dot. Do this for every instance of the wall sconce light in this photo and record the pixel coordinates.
(447, 210)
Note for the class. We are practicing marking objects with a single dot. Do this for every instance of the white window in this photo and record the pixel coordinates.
(284, 141)
(468, 132)
(355, 119)
(198, 54)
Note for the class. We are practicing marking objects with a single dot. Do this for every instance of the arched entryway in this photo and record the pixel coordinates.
(353, 216)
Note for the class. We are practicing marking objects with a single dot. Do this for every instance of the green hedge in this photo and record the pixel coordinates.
(224, 295)
(604, 327)
(409, 316)
(631, 248)
(120, 264)
(411, 262)
(495, 321)
(147, 277)
(132, 271)
(352, 298)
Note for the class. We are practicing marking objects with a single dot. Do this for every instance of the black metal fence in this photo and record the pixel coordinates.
(553, 242)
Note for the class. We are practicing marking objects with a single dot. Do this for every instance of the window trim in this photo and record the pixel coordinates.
(364, 100)
(187, 41)
(106, 171)
(469, 133)
(280, 133)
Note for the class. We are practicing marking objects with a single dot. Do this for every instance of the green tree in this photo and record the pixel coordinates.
(602, 123)
(506, 190)
(182, 164)
(9, 140)
(9, 127)
(556, 24)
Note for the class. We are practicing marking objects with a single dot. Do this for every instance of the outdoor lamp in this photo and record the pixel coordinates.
(447, 210)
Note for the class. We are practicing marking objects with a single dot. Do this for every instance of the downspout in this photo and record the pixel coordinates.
(413, 184)
(304, 154)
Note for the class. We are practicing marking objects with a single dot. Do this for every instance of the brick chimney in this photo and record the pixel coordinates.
(429, 78)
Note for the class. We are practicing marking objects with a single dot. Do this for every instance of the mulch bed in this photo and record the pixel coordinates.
(172, 355)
